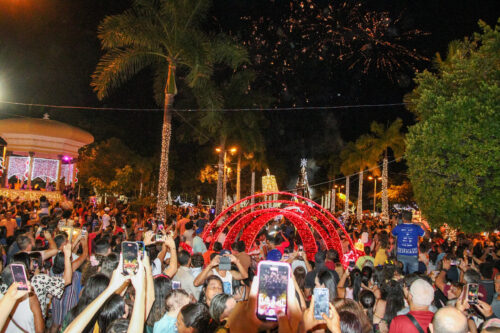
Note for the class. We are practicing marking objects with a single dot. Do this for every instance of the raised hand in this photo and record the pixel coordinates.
(333, 320)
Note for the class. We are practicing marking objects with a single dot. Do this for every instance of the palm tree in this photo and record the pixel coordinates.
(243, 129)
(385, 139)
(356, 157)
(167, 37)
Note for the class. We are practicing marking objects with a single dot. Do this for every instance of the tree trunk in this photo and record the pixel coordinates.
(219, 199)
(347, 197)
(166, 133)
(359, 210)
(385, 180)
(252, 188)
(238, 178)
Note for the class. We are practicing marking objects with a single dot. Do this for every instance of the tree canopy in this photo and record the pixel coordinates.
(453, 152)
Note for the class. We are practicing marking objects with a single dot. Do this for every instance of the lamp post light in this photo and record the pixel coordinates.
(374, 191)
(232, 150)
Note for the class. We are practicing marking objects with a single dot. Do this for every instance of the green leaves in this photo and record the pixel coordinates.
(453, 153)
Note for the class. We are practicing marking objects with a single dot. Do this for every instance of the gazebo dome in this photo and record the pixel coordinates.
(45, 137)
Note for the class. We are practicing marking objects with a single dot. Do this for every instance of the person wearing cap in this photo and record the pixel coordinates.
(198, 244)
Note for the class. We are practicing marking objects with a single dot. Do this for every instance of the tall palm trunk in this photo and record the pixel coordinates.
(347, 197)
(219, 199)
(166, 134)
(252, 189)
(359, 209)
(385, 200)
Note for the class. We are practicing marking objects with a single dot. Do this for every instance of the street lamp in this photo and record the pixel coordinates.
(374, 191)
(231, 150)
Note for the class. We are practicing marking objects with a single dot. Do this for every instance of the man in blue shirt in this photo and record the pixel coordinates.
(407, 235)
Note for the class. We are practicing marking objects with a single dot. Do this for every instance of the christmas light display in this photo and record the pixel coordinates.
(161, 204)
(44, 168)
(385, 201)
(347, 196)
(18, 166)
(67, 173)
(302, 212)
(359, 208)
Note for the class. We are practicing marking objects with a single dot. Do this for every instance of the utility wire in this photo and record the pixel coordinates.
(295, 108)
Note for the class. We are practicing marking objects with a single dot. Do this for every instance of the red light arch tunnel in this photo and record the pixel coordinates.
(302, 212)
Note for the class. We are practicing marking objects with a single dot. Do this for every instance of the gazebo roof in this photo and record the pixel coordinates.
(45, 137)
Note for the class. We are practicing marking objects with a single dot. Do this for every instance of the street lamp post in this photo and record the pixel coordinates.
(374, 191)
(224, 191)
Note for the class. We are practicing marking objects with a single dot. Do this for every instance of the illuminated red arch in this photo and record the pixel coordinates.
(255, 216)
(310, 213)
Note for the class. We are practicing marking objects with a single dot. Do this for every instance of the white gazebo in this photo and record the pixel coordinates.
(39, 148)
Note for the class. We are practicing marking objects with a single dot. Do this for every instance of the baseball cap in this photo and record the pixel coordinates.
(274, 255)
(199, 231)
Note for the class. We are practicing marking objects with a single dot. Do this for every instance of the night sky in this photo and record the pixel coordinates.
(49, 49)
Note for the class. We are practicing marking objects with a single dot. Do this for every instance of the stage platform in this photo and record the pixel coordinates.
(26, 195)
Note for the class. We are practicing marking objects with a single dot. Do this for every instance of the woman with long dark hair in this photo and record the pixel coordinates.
(94, 287)
(163, 288)
(113, 309)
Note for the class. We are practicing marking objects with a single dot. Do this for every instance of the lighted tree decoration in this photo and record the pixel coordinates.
(346, 210)
(385, 139)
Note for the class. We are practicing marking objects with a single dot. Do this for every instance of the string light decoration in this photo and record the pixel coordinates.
(19, 167)
(161, 204)
(269, 183)
(347, 196)
(359, 208)
(67, 173)
(302, 212)
(44, 168)
(385, 201)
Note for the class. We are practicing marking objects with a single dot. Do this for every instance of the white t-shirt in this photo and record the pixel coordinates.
(22, 319)
(227, 281)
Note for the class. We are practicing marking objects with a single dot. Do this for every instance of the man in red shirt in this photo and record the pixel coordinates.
(420, 298)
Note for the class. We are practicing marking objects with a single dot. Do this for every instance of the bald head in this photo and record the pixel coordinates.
(449, 320)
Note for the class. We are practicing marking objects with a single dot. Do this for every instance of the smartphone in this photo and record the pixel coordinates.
(273, 277)
(225, 263)
(352, 265)
(158, 237)
(84, 231)
(141, 248)
(455, 262)
(19, 275)
(472, 293)
(321, 302)
(176, 285)
(129, 255)
(301, 248)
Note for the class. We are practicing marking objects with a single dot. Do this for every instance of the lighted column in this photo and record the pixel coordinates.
(30, 169)
(6, 168)
(58, 178)
(74, 175)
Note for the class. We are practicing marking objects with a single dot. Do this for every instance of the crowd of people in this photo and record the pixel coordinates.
(407, 279)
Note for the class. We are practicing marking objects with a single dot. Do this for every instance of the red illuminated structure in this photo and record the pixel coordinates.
(306, 215)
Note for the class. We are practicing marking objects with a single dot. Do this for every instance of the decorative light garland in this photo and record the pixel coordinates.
(346, 212)
(313, 214)
(385, 180)
(359, 209)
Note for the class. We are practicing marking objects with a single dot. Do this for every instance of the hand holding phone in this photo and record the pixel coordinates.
(176, 285)
(321, 302)
(19, 275)
(225, 263)
(130, 258)
(272, 298)
(472, 293)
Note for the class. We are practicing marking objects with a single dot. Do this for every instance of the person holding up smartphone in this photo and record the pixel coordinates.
(226, 276)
